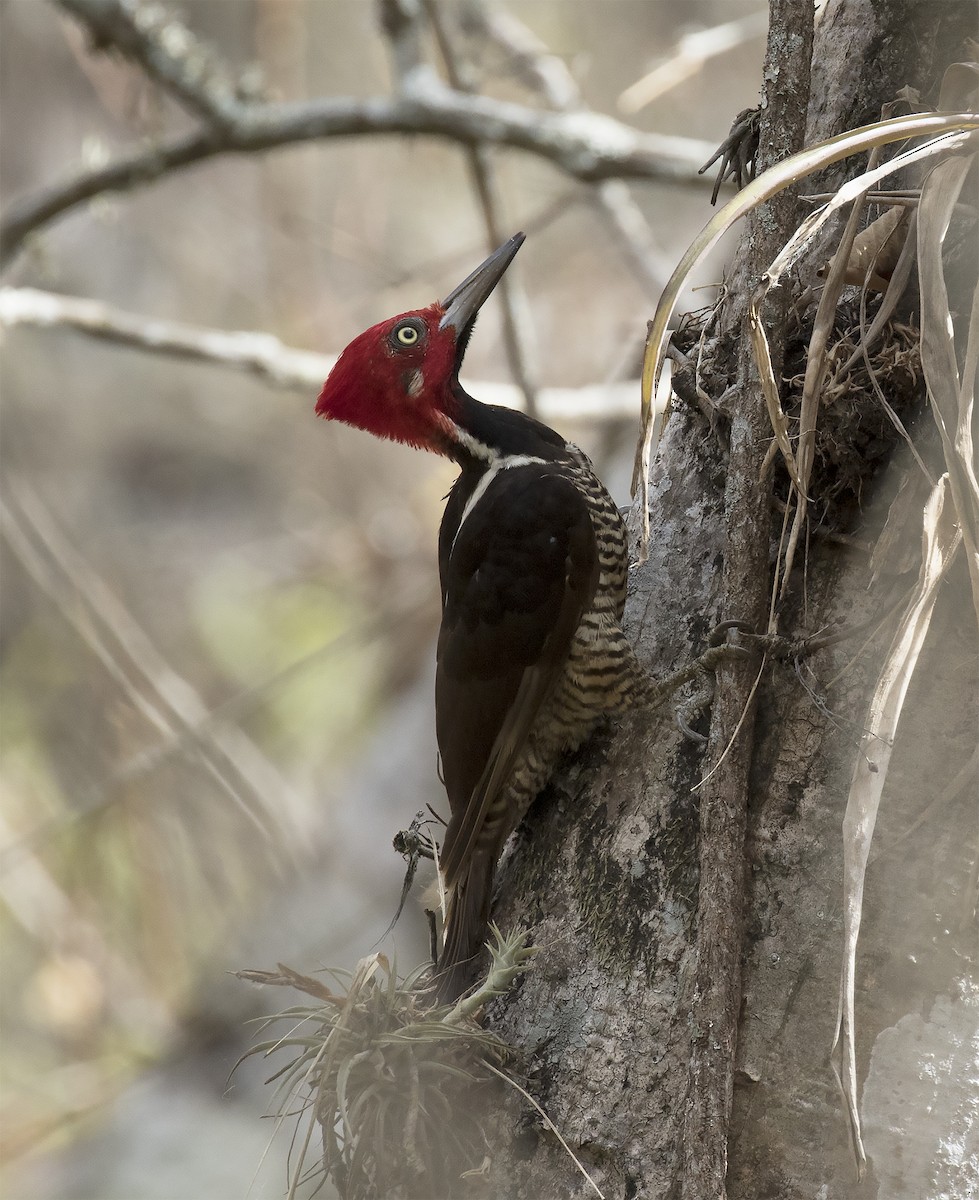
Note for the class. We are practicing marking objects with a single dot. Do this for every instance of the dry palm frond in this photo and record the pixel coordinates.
(941, 541)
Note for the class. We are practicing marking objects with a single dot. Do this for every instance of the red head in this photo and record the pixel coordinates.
(397, 379)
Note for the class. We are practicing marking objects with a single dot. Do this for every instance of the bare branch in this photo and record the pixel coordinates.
(153, 38)
(404, 31)
(255, 353)
(587, 146)
(268, 358)
(689, 56)
(546, 73)
(144, 166)
(530, 59)
(516, 310)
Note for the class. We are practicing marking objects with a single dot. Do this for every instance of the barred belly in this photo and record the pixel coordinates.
(602, 675)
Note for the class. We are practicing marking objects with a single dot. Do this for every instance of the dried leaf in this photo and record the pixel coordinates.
(770, 389)
(895, 290)
(895, 552)
(910, 95)
(960, 85)
(940, 541)
(287, 977)
(854, 190)
(876, 250)
(952, 398)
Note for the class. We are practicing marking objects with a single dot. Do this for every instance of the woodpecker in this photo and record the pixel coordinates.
(533, 564)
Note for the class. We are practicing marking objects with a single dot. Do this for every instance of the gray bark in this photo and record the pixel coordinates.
(637, 888)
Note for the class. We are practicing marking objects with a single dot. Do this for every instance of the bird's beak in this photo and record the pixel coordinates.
(462, 304)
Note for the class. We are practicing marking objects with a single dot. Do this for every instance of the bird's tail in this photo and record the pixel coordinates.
(465, 929)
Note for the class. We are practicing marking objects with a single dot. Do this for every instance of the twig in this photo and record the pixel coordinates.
(550, 1125)
(169, 53)
(513, 302)
(907, 199)
(688, 56)
(143, 166)
(255, 353)
(547, 74)
(868, 336)
(401, 24)
(737, 729)
(817, 365)
(830, 535)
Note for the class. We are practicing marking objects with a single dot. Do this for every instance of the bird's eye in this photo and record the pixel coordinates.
(408, 333)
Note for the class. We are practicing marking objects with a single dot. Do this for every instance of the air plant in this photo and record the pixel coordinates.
(398, 1088)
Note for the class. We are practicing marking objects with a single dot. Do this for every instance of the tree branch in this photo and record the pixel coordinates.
(586, 146)
(260, 354)
(513, 300)
(167, 51)
(271, 360)
(689, 56)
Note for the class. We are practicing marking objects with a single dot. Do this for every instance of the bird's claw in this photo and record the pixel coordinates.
(695, 707)
(748, 643)
(720, 650)
(687, 730)
(718, 635)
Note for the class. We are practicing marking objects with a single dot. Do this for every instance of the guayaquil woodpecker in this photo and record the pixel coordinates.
(533, 564)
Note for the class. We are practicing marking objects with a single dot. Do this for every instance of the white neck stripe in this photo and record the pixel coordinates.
(498, 464)
(475, 447)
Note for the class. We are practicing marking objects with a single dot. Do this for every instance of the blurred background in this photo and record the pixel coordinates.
(219, 614)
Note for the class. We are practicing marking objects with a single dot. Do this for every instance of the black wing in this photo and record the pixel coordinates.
(516, 580)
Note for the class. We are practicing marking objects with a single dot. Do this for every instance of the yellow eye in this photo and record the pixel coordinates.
(407, 335)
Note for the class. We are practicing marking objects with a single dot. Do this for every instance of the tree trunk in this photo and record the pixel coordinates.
(678, 1022)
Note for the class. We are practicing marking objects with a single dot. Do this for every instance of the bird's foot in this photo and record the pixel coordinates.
(701, 671)
(751, 644)
(693, 708)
